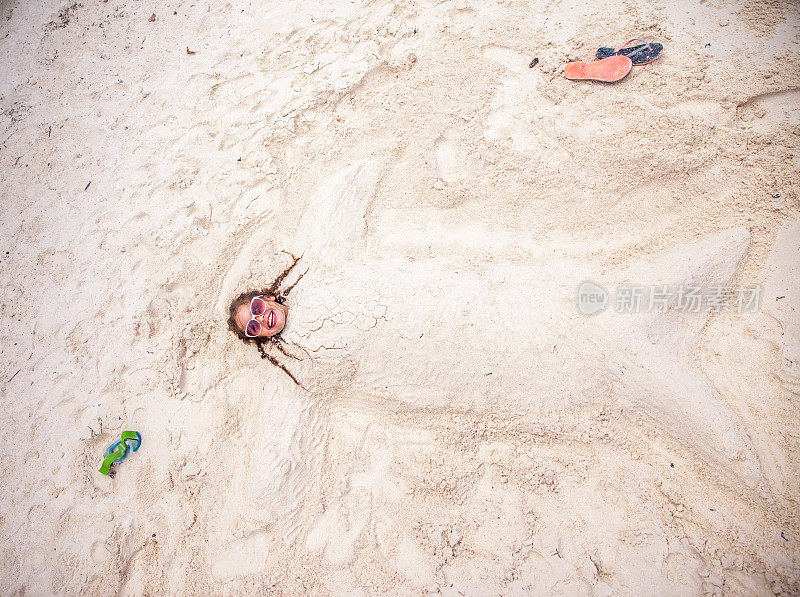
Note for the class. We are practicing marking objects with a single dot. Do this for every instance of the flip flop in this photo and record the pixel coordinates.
(608, 69)
(120, 450)
(642, 54)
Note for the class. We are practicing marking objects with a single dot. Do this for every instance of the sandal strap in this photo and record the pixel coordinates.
(645, 46)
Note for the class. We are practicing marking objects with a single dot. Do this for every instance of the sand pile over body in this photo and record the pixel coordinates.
(466, 430)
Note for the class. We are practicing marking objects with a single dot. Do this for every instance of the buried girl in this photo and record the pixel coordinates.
(487, 335)
(259, 316)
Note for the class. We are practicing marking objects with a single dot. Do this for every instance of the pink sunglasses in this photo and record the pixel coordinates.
(257, 307)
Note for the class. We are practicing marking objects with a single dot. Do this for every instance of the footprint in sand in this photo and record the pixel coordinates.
(450, 164)
(245, 556)
(771, 112)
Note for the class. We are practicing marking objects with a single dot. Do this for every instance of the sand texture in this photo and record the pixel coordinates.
(463, 429)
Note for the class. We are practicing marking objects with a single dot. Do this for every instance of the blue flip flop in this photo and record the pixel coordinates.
(639, 54)
(120, 450)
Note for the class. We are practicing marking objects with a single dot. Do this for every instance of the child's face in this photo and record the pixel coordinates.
(272, 320)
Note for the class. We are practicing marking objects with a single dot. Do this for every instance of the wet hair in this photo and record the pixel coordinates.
(279, 296)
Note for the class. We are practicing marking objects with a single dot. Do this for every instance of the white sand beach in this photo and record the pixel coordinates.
(463, 428)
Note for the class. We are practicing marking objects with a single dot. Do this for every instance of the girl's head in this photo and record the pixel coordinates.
(259, 319)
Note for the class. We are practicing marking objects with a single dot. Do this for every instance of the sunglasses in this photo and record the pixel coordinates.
(257, 307)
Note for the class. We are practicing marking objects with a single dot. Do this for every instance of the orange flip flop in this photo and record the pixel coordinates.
(608, 69)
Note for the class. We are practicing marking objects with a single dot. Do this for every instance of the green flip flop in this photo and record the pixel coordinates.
(120, 450)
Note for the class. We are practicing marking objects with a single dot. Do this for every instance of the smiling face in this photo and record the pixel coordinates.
(272, 320)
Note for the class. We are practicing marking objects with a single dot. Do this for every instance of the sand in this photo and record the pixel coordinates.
(464, 429)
